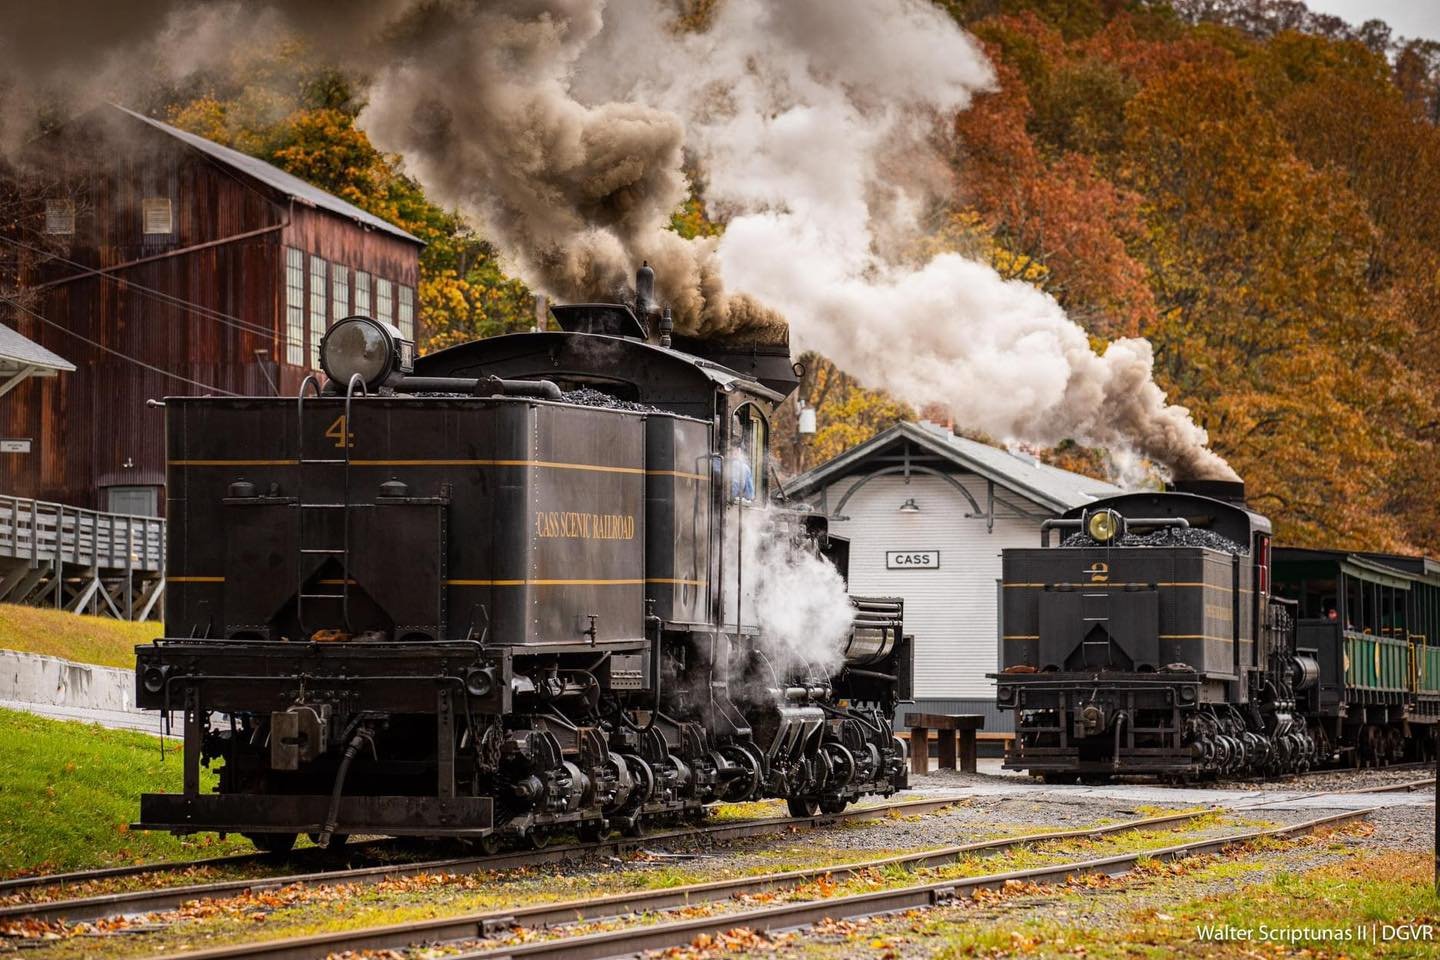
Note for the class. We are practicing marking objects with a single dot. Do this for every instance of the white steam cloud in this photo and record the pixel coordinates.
(564, 129)
(795, 597)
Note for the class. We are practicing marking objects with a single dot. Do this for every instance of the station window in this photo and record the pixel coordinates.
(362, 293)
(318, 295)
(60, 217)
(405, 315)
(339, 292)
(384, 300)
(294, 306)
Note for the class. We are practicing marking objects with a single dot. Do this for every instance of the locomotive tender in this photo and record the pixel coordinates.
(479, 594)
(1153, 640)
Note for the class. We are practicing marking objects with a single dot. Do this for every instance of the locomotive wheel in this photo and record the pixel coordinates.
(634, 827)
(592, 831)
(272, 843)
(488, 845)
(802, 807)
(833, 805)
(537, 838)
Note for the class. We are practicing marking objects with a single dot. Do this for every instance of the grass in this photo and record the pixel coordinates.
(69, 790)
(98, 640)
(1319, 912)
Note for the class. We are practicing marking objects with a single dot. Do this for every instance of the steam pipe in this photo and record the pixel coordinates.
(1047, 525)
(480, 387)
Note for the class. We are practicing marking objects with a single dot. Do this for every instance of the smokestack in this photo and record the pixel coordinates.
(644, 291)
(667, 326)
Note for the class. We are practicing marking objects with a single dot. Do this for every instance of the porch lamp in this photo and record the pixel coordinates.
(910, 506)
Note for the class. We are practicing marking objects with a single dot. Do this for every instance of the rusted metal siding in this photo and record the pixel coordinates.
(195, 304)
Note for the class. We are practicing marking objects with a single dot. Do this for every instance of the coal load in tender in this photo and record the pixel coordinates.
(1167, 537)
(583, 397)
(589, 397)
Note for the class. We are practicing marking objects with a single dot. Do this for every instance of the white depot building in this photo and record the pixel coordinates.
(927, 514)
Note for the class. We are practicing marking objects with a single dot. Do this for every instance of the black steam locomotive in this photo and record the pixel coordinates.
(1152, 641)
(483, 593)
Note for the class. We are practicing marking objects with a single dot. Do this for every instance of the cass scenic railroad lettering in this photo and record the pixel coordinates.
(584, 526)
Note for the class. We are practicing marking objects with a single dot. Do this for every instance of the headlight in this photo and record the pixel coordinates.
(1104, 526)
(371, 348)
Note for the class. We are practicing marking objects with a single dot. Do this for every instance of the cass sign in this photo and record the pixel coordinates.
(912, 560)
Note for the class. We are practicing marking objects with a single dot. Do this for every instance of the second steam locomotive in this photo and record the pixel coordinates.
(482, 593)
(1157, 638)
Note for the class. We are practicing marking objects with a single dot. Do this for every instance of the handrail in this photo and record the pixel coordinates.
(42, 530)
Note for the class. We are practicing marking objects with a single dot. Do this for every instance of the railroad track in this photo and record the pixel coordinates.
(676, 933)
(162, 898)
(487, 923)
(1339, 771)
(74, 878)
(623, 942)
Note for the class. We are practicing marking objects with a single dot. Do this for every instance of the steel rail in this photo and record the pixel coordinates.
(161, 898)
(76, 877)
(486, 923)
(1408, 786)
(597, 946)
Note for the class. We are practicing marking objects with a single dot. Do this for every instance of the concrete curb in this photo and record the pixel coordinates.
(54, 687)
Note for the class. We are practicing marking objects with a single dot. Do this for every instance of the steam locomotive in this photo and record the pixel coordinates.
(483, 594)
(1154, 640)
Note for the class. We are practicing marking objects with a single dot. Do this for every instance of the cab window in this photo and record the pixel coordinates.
(745, 461)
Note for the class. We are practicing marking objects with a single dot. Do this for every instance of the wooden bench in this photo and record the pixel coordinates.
(945, 725)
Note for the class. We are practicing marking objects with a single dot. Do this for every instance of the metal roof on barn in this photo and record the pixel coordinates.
(1052, 487)
(273, 177)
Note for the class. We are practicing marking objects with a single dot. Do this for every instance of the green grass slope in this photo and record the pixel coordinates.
(68, 792)
(98, 640)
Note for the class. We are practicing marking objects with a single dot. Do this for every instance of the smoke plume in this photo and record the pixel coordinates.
(565, 130)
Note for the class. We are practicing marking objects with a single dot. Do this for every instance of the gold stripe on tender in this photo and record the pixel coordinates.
(1194, 636)
(1021, 636)
(1108, 583)
(231, 463)
(195, 579)
(546, 464)
(542, 583)
(678, 473)
(542, 464)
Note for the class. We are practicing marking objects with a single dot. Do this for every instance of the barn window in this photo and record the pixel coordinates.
(318, 296)
(339, 292)
(60, 216)
(362, 293)
(384, 300)
(405, 318)
(157, 215)
(294, 306)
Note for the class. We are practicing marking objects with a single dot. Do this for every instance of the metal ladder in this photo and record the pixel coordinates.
(342, 551)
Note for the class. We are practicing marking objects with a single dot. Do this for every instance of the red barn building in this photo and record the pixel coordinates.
(162, 264)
